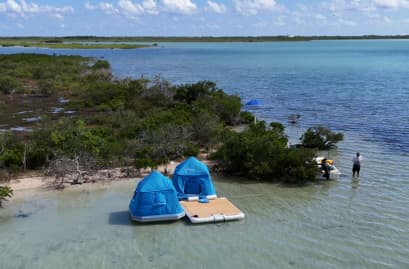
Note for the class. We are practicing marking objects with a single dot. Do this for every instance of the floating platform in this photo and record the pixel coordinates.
(216, 210)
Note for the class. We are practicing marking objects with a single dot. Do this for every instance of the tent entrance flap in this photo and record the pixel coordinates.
(192, 177)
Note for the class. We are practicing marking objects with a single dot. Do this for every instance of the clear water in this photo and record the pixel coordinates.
(357, 87)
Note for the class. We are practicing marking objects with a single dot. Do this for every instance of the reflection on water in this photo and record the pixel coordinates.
(355, 182)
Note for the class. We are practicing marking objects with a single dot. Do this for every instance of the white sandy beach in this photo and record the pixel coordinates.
(29, 183)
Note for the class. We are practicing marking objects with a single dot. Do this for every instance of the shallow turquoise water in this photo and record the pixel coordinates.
(349, 223)
(357, 87)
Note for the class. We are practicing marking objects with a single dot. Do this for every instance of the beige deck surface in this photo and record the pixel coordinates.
(219, 206)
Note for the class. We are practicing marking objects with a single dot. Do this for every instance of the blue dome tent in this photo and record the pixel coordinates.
(254, 102)
(192, 180)
(155, 199)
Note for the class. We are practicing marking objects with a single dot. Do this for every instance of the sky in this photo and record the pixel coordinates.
(203, 17)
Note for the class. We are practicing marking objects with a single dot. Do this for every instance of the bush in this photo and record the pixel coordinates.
(246, 117)
(11, 152)
(261, 152)
(5, 192)
(321, 138)
(101, 64)
(8, 85)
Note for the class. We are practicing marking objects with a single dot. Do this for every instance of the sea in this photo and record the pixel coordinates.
(357, 87)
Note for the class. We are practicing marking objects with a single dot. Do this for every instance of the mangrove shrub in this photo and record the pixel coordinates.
(261, 152)
(321, 138)
(5, 192)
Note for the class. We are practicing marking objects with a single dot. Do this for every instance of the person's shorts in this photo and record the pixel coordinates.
(356, 168)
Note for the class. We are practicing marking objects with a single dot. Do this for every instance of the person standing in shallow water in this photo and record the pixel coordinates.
(356, 164)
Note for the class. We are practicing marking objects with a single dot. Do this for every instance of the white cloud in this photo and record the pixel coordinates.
(364, 6)
(252, 7)
(387, 20)
(59, 16)
(108, 8)
(130, 7)
(346, 22)
(149, 4)
(22, 8)
(216, 7)
(280, 21)
(150, 7)
(337, 6)
(13, 6)
(392, 3)
(65, 9)
(19, 25)
(320, 17)
(179, 6)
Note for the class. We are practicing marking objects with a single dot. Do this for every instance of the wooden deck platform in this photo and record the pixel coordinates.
(216, 210)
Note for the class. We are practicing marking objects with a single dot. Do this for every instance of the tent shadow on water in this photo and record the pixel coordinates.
(120, 218)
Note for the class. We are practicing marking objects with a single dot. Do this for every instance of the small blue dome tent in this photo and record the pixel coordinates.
(155, 199)
(254, 102)
(192, 180)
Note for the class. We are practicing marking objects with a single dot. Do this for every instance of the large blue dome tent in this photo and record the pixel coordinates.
(192, 180)
(155, 199)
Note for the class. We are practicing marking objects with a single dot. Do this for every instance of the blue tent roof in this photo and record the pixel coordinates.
(191, 167)
(155, 181)
(255, 102)
(192, 177)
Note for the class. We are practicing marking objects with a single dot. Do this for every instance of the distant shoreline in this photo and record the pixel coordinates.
(122, 42)
(60, 44)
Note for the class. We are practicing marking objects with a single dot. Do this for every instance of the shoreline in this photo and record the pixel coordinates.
(58, 40)
(33, 183)
(74, 45)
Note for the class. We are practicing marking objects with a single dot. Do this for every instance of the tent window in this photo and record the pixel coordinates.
(160, 199)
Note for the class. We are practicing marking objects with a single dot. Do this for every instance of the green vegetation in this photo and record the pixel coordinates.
(119, 122)
(5, 192)
(136, 123)
(321, 138)
(44, 75)
(261, 152)
(66, 43)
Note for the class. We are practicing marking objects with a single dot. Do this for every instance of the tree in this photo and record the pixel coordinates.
(8, 84)
(11, 153)
(188, 93)
(321, 138)
(77, 148)
(159, 145)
